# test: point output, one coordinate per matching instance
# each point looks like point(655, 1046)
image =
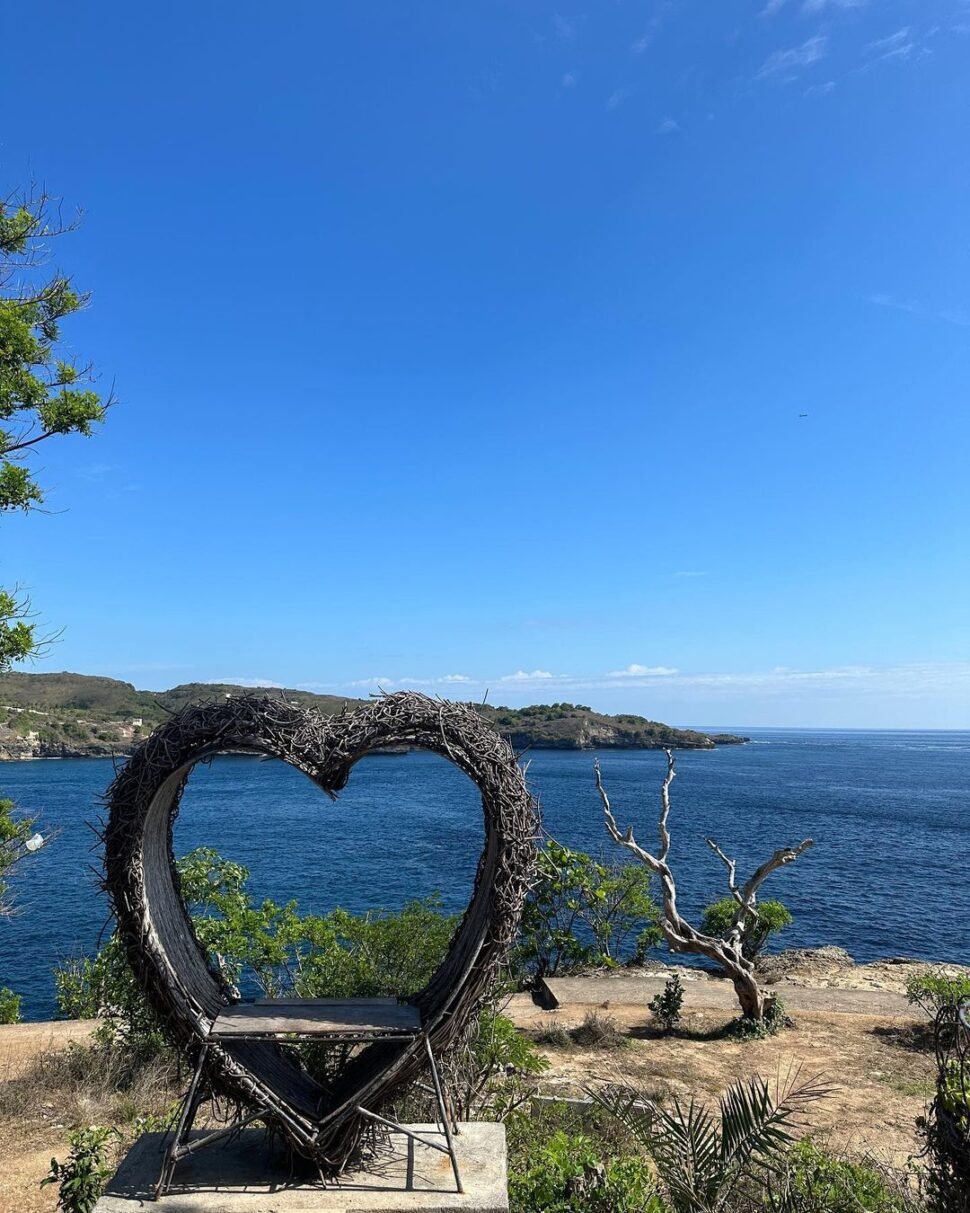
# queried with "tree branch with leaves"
point(43, 391)
point(727, 948)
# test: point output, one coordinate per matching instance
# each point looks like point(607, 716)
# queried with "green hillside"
point(77, 715)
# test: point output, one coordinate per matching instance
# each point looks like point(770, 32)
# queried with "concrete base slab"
point(245, 1175)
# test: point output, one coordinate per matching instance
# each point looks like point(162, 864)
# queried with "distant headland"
point(84, 716)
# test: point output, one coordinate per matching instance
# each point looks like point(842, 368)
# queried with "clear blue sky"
point(465, 346)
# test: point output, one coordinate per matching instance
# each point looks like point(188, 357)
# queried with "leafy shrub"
point(666, 1006)
point(82, 1177)
point(373, 954)
point(818, 1182)
point(931, 992)
point(772, 918)
point(9, 1006)
point(568, 1175)
point(502, 1069)
point(103, 987)
point(583, 914)
point(266, 945)
point(770, 1024)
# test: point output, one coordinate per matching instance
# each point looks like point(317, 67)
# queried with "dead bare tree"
point(725, 950)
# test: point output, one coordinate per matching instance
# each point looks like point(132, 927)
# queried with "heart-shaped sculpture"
point(188, 992)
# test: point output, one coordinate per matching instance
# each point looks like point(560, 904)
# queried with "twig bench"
point(322, 1021)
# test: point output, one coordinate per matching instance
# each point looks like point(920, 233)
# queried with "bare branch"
point(665, 804)
point(625, 840)
point(730, 864)
point(781, 857)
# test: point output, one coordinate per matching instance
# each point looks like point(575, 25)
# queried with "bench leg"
point(443, 1111)
point(190, 1106)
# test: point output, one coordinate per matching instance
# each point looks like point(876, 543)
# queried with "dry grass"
point(47, 1093)
point(85, 1084)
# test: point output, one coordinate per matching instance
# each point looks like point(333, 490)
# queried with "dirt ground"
point(877, 1058)
point(881, 1069)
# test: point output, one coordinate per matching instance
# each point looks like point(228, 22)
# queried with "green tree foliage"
point(769, 918)
point(501, 1071)
point(935, 992)
point(264, 944)
point(583, 913)
point(9, 1006)
point(43, 393)
point(17, 839)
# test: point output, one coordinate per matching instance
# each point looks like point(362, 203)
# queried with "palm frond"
point(757, 1127)
point(685, 1145)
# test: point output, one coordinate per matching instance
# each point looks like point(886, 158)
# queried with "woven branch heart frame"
point(187, 990)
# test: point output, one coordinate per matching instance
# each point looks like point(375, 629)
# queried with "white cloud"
point(569, 79)
point(667, 126)
point(534, 676)
point(690, 573)
point(787, 64)
point(456, 678)
point(820, 90)
point(949, 315)
point(652, 30)
point(617, 97)
point(895, 46)
point(643, 671)
point(818, 6)
point(565, 27)
point(95, 472)
point(900, 37)
point(810, 6)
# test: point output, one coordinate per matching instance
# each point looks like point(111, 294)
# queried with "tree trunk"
point(749, 994)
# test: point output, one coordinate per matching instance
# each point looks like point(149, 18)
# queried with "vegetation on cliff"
point(66, 715)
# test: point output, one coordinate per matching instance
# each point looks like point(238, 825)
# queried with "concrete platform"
point(244, 1176)
point(703, 992)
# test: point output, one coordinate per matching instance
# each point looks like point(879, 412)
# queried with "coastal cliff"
point(81, 716)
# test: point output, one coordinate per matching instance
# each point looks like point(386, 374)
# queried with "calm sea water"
point(890, 813)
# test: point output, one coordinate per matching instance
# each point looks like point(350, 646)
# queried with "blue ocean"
point(889, 811)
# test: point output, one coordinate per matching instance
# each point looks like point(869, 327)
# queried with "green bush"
point(771, 918)
point(770, 1024)
point(585, 914)
point(9, 1006)
point(817, 1182)
point(666, 1006)
point(269, 945)
point(931, 992)
point(82, 1177)
point(501, 1071)
point(568, 1175)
